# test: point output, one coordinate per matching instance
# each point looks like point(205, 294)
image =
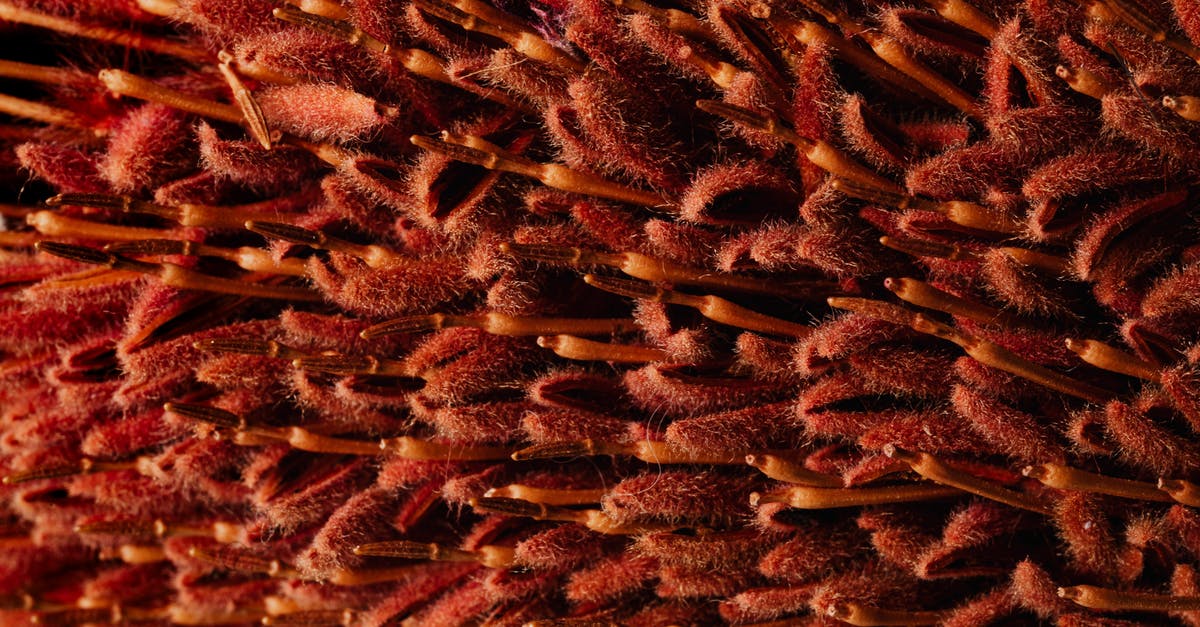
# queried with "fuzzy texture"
point(559, 310)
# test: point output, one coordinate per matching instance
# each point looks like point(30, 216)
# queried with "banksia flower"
point(560, 312)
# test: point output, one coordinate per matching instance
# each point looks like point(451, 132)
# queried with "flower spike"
point(925, 295)
point(1182, 491)
point(252, 113)
point(1107, 599)
point(85, 466)
point(46, 114)
point(712, 307)
point(593, 519)
point(1067, 478)
point(477, 16)
point(490, 556)
point(179, 277)
point(809, 497)
point(963, 213)
point(1131, 14)
point(783, 469)
point(996, 356)
point(415, 60)
point(820, 153)
point(124, 83)
point(550, 174)
point(649, 451)
point(502, 324)
point(548, 496)
point(571, 347)
point(929, 467)
point(373, 255)
point(966, 15)
point(249, 346)
point(10, 12)
point(864, 615)
point(647, 268)
point(1103, 356)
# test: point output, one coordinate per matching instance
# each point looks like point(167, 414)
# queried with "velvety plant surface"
point(589, 312)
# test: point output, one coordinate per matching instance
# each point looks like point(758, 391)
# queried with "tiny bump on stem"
point(139, 554)
point(325, 8)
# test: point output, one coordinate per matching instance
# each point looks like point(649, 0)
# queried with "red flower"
point(585, 312)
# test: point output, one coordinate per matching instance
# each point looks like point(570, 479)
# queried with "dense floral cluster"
point(600, 311)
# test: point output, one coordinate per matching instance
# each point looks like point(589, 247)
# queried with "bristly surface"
point(558, 312)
